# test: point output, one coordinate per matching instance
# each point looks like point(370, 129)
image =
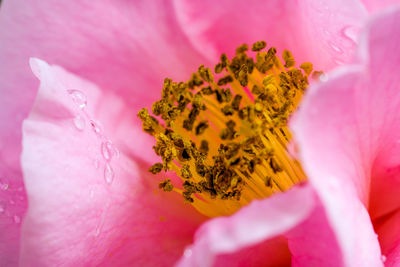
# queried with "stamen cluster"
point(225, 133)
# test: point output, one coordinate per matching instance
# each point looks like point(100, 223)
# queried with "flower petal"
point(123, 46)
point(79, 213)
point(382, 87)
point(253, 224)
point(323, 32)
point(378, 5)
point(121, 52)
point(329, 138)
point(388, 230)
point(313, 243)
point(393, 257)
point(271, 252)
point(354, 145)
point(13, 205)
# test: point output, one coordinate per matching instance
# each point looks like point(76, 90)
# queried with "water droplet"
point(336, 48)
point(3, 206)
point(116, 152)
point(17, 219)
point(108, 174)
point(107, 150)
point(350, 33)
point(78, 97)
point(338, 61)
point(187, 253)
point(96, 163)
point(97, 231)
point(100, 225)
point(383, 258)
point(326, 32)
point(323, 77)
point(79, 122)
point(96, 127)
point(4, 186)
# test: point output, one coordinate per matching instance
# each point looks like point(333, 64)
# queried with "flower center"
point(225, 133)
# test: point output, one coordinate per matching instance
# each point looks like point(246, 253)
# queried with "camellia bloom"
point(229, 145)
point(91, 203)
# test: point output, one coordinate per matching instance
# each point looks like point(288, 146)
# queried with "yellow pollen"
point(225, 134)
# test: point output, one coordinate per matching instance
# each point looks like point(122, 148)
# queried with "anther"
point(225, 133)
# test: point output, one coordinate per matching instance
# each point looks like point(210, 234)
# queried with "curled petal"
point(271, 252)
point(253, 224)
point(93, 203)
point(352, 148)
point(329, 142)
point(123, 46)
point(380, 109)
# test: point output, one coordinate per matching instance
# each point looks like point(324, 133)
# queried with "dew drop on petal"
point(108, 174)
point(96, 163)
point(323, 77)
point(383, 258)
point(97, 231)
point(79, 98)
point(336, 48)
point(79, 122)
point(4, 185)
point(3, 206)
point(100, 224)
point(17, 219)
point(107, 150)
point(350, 33)
point(116, 152)
point(187, 253)
point(96, 127)
point(338, 61)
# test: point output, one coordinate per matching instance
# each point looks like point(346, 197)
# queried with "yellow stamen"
point(225, 133)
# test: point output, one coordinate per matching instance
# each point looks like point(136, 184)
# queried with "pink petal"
point(323, 32)
point(313, 243)
point(115, 44)
point(393, 257)
point(329, 140)
point(378, 5)
point(123, 46)
point(383, 87)
point(388, 230)
point(271, 252)
point(75, 216)
point(351, 148)
point(12, 208)
point(297, 215)
point(253, 224)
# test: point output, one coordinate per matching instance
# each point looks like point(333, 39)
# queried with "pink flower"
point(93, 204)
